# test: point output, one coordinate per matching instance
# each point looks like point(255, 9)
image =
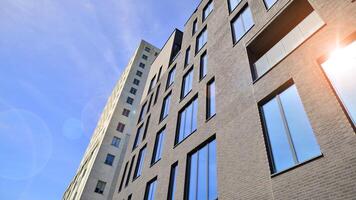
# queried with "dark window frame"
point(172, 180)
point(204, 18)
point(190, 70)
point(139, 157)
point(155, 147)
point(201, 75)
point(169, 83)
point(130, 170)
point(108, 161)
point(148, 185)
point(168, 95)
point(204, 30)
point(239, 14)
point(210, 115)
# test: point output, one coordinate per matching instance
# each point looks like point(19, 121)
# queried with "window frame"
point(107, 161)
point(115, 138)
point(204, 18)
point(154, 160)
point(164, 104)
point(148, 186)
point(203, 31)
point(172, 181)
point(140, 161)
point(100, 190)
point(170, 76)
point(182, 95)
point(231, 10)
point(239, 14)
point(201, 77)
point(187, 57)
point(194, 26)
point(210, 115)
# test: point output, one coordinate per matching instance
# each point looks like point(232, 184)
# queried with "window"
point(115, 141)
point(142, 65)
point(203, 65)
point(109, 159)
point(165, 106)
point(100, 187)
point(157, 94)
point(340, 69)
point(142, 112)
point(159, 73)
point(133, 91)
point(120, 127)
point(202, 174)
point(152, 84)
point(233, 4)
point(139, 73)
point(195, 26)
point(147, 49)
point(187, 57)
point(202, 38)
point(139, 164)
point(187, 120)
point(144, 57)
point(269, 3)
point(151, 189)
point(207, 10)
point(157, 151)
point(138, 138)
point(146, 127)
point(290, 136)
point(210, 98)
point(126, 112)
point(130, 169)
point(156, 54)
point(172, 182)
point(187, 83)
point(171, 76)
point(136, 82)
point(129, 100)
point(123, 176)
point(129, 197)
point(149, 103)
point(242, 23)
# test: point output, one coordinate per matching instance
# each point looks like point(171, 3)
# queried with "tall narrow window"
point(269, 3)
point(290, 136)
point(129, 197)
point(123, 176)
point(165, 106)
point(202, 174)
point(195, 26)
point(203, 65)
point(109, 159)
point(138, 137)
point(152, 84)
point(142, 112)
point(157, 94)
point(187, 83)
point(340, 69)
point(100, 187)
point(242, 23)
point(210, 98)
point(233, 4)
point(187, 57)
point(157, 151)
point(172, 182)
point(201, 40)
point(120, 127)
point(187, 120)
point(151, 189)
point(171, 76)
point(140, 161)
point(159, 73)
point(129, 173)
point(115, 141)
point(146, 127)
point(208, 9)
point(149, 103)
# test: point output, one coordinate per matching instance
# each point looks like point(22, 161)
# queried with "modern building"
point(256, 99)
point(99, 169)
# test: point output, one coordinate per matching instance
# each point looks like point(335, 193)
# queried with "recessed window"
point(158, 148)
point(142, 112)
point(195, 26)
point(340, 69)
point(144, 57)
point(290, 136)
point(203, 69)
point(100, 187)
point(208, 9)
point(187, 57)
point(142, 65)
point(202, 39)
point(115, 141)
point(187, 84)
point(139, 164)
point(146, 127)
point(129, 197)
point(147, 49)
point(139, 73)
point(138, 137)
point(126, 112)
point(171, 76)
point(269, 3)
point(187, 120)
point(233, 4)
point(133, 91)
point(202, 174)
point(120, 127)
point(172, 182)
point(151, 189)
point(165, 106)
point(152, 84)
point(149, 103)
point(109, 159)
point(130, 100)
point(157, 94)
point(242, 23)
point(159, 73)
point(136, 82)
point(210, 98)
point(129, 173)
point(123, 176)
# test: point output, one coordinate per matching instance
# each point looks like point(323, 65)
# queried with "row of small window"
point(201, 182)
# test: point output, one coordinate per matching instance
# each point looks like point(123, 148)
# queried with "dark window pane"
point(203, 65)
point(109, 159)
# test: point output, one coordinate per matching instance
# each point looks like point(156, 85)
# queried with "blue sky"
point(59, 60)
